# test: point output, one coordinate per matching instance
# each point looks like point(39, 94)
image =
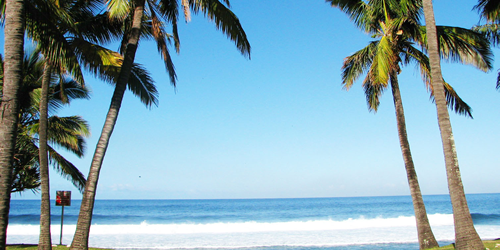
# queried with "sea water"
point(309, 223)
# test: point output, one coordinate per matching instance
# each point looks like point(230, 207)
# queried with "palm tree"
point(466, 236)
point(158, 13)
point(42, 17)
point(74, 41)
point(65, 132)
point(372, 58)
point(74, 44)
point(490, 11)
point(13, 49)
point(397, 25)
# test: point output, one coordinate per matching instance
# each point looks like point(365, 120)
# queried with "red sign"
point(63, 198)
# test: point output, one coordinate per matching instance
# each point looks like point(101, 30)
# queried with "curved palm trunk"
point(44, 241)
point(80, 240)
point(14, 43)
point(426, 238)
point(466, 236)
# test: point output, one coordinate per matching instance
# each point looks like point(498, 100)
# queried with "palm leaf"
point(463, 45)
point(67, 169)
point(453, 100)
point(99, 28)
point(225, 20)
point(96, 59)
point(52, 42)
point(490, 31)
point(160, 36)
point(489, 9)
point(356, 9)
point(373, 92)
point(118, 8)
point(357, 64)
point(383, 61)
point(187, 12)
point(169, 10)
point(142, 85)
point(66, 132)
point(70, 89)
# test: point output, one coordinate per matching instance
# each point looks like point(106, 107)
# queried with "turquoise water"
point(311, 223)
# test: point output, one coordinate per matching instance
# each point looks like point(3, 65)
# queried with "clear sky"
point(280, 125)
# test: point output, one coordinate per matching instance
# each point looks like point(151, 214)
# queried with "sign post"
point(63, 198)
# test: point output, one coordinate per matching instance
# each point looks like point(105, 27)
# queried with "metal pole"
point(62, 220)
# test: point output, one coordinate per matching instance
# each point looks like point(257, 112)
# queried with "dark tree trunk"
point(466, 236)
point(13, 50)
point(80, 240)
point(45, 241)
point(426, 238)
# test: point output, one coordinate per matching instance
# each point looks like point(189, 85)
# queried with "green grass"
point(35, 247)
point(489, 244)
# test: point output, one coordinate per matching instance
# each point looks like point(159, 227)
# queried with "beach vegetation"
point(148, 18)
point(62, 52)
point(12, 18)
point(488, 244)
point(466, 236)
point(489, 10)
point(73, 46)
point(54, 247)
point(65, 132)
point(396, 25)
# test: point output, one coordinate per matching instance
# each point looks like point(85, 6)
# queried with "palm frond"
point(2, 12)
point(357, 64)
point(464, 46)
point(52, 42)
point(66, 132)
point(96, 59)
point(1, 74)
point(489, 9)
point(70, 89)
point(160, 36)
point(490, 31)
point(142, 85)
point(373, 92)
point(100, 28)
point(118, 8)
point(383, 62)
point(25, 177)
point(187, 12)
point(67, 169)
point(169, 10)
point(454, 101)
point(225, 20)
point(356, 9)
point(412, 54)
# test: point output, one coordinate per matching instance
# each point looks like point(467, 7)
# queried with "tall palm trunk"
point(44, 241)
point(80, 240)
point(14, 43)
point(426, 238)
point(466, 236)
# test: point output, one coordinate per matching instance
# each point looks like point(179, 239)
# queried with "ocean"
point(307, 223)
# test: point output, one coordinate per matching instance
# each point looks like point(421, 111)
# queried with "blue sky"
point(280, 125)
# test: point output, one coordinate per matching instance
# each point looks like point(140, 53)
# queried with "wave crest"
point(244, 227)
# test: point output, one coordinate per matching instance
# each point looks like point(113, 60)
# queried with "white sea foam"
point(244, 227)
point(253, 234)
